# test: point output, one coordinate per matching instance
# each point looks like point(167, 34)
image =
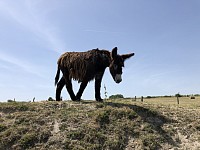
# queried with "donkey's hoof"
point(99, 99)
point(58, 100)
point(78, 99)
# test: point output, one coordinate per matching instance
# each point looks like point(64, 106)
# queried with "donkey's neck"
point(106, 57)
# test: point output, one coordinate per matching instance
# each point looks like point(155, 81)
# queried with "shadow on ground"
point(154, 118)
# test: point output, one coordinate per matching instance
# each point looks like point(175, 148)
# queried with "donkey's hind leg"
point(68, 83)
point(59, 88)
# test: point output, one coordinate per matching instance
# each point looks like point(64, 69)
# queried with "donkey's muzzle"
point(118, 78)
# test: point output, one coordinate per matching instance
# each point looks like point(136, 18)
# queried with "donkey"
point(86, 66)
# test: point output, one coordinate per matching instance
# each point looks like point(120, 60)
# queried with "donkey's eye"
point(115, 66)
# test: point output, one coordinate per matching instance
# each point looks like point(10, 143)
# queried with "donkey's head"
point(117, 62)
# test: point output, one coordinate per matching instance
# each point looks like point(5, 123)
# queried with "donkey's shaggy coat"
point(82, 65)
point(86, 66)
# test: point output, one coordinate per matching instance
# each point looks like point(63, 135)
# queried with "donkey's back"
point(80, 65)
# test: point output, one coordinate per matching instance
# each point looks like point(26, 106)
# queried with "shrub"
point(50, 99)
point(10, 101)
point(28, 140)
point(103, 118)
point(178, 95)
point(151, 96)
point(116, 96)
point(2, 127)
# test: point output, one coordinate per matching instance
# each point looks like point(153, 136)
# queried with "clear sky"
point(163, 34)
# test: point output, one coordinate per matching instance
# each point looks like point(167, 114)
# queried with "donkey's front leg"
point(81, 89)
point(98, 79)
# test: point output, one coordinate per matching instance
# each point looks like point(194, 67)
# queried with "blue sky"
point(163, 34)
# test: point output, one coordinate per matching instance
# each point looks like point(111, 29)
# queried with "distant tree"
point(167, 96)
point(178, 95)
point(10, 100)
point(151, 97)
point(116, 96)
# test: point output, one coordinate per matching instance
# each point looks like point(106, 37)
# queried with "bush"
point(10, 101)
point(103, 118)
point(178, 95)
point(50, 99)
point(151, 96)
point(116, 96)
point(2, 127)
point(28, 140)
point(167, 96)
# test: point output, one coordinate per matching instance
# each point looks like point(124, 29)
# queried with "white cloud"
point(22, 64)
point(27, 14)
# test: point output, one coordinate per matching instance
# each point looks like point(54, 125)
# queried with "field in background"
point(172, 101)
point(155, 123)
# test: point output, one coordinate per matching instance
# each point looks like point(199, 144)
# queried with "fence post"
point(135, 98)
point(177, 100)
point(142, 99)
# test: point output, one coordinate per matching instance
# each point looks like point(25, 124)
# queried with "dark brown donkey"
point(86, 66)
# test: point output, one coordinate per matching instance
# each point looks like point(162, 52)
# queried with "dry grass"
point(118, 124)
point(172, 101)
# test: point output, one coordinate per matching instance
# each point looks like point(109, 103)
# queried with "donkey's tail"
point(57, 75)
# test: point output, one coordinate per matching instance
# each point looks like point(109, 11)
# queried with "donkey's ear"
point(126, 56)
point(114, 52)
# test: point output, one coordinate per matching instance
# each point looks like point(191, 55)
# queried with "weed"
point(197, 127)
point(22, 107)
point(28, 140)
point(100, 105)
point(151, 141)
point(11, 136)
point(76, 135)
point(2, 127)
point(95, 136)
point(44, 136)
point(103, 118)
point(22, 120)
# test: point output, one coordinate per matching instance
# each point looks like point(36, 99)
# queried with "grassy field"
point(172, 101)
point(157, 123)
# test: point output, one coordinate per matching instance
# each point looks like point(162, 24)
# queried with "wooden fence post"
point(135, 98)
point(177, 100)
point(142, 99)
